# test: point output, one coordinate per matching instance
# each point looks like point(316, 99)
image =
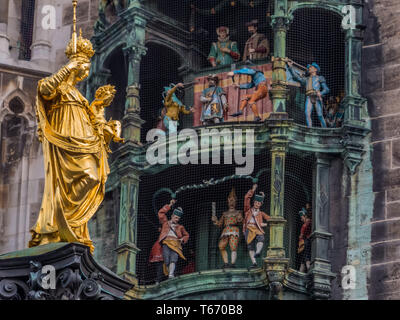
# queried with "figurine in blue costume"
point(258, 81)
point(173, 106)
point(214, 102)
point(316, 88)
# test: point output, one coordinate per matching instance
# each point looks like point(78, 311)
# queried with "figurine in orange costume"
point(169, 243)
point(253, 224)
point(230, 220)
point(259, 82)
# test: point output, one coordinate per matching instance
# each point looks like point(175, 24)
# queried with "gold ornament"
point(75, 139)
point(81, 49)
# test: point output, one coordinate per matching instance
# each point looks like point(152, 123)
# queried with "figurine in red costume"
point(254, 223)
point(168, 247)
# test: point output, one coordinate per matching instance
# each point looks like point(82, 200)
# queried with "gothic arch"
point(27, 112)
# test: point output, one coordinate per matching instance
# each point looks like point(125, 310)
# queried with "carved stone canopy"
point(77, 275)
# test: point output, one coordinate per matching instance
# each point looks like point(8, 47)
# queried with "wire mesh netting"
point(314, 36)
point(202, 250)
point(27, 22)
point(298, 206)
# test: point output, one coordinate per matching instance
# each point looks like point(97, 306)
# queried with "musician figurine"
point(257, 46)
point(173, 106)
point(224, 51)
point(168, 247)
point(316, 88)
point(304, 249)
point(254, 223)
point(230, 220)
point(258, 81)
point(214, 102)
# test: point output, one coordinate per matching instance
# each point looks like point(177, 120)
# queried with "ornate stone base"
point(28, 275)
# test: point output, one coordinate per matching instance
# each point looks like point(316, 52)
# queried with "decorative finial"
point(78, 47)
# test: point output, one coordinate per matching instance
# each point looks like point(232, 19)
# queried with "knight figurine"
point(214, 102)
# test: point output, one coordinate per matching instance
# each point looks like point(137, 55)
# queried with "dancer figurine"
point(230, 220)
point(168, 247)
point(253, 224)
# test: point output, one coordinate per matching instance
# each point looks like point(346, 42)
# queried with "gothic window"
point(12, 133)
point(27, 24)
point(16, 105)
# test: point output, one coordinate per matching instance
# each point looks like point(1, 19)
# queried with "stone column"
point(134, 51)
point(276, 262)
point(127, 168)
point(41, 46)
point(127, 229)
point(97, 79)
point(4, 39)
point(355, 126)
point(280, 24)
point(321, 274)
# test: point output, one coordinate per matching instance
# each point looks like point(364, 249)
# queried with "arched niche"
point(114, 71)
point(158, 68)
point(316, 35)
point(17, 124)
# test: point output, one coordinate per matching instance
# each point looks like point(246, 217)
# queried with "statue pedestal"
point(58, 271)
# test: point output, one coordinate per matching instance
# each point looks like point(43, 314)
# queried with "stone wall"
point(381, 86)
point(21, 160)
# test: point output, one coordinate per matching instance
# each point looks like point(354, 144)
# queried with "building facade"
point(346, 172)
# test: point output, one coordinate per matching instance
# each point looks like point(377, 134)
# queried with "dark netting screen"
point(315, 35)
point(178, 48)
point(298, 192)
point(202, 250)
point(27, 22)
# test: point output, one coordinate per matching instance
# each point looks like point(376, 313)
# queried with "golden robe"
point(75, 161)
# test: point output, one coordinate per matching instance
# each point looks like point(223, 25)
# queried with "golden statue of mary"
point(74, 150)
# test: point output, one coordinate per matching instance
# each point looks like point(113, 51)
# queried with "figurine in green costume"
point(224, 51)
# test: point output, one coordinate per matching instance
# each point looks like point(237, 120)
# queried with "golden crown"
point(84, 48)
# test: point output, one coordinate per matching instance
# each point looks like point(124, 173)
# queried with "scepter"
point(74, 36)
